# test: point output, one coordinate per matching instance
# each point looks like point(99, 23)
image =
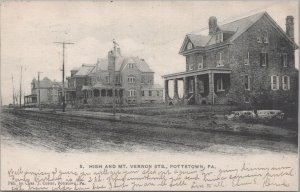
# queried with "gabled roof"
point(85, 70)
point(121, 62)
point(199, 40)
point(44, 83)
point(241, 25)
point(142, 65)
point(236, 28)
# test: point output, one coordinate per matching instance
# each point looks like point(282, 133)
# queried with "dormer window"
point(219, 37)
point(189, 46)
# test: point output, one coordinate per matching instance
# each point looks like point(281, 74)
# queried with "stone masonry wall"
point(261, 75)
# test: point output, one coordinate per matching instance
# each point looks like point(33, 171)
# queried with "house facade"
point(46, 91)
point(130, 77)
point(250, 60)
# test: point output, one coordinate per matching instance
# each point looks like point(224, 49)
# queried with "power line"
point(227, 20)
point(63, 72)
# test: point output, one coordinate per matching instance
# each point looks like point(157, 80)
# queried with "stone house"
point(247, 61)
point(132, 78)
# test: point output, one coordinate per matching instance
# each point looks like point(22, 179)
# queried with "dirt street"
point(52, 132)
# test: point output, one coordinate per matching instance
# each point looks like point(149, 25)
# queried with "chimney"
point(118, 51)
point(212, 24)
point(290, 26)
point(73, 72)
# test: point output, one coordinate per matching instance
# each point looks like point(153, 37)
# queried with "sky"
point(152, 30)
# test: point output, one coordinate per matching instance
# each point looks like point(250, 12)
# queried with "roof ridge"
point(262, 13)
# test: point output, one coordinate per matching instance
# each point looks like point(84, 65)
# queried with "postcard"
point(149, 95)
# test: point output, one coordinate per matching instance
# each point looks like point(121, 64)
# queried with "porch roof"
point(32, 95)
point(198, 72)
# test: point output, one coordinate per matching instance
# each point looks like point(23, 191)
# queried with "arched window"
point(189, 46)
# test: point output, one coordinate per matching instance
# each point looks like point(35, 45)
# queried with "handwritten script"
point(151, 177)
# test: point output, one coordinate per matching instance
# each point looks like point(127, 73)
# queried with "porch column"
point(185, 87)
point(211, 88)
point(166, 91)
point(196, 89)
point(175, 88)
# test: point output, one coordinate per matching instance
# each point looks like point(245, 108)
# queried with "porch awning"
point(32, 95)
point(102, 86)
point(198, 72)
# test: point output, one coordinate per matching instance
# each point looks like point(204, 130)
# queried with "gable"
point(186, 41)
point(265, 17)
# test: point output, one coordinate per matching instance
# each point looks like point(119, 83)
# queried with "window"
point(247, 99)
point(259, 39)
point(220, 84)
point(274, 82)
point(191, 87)
point(131, 93)
point(150, 93)
point(130, 65)
point(263, 59)
point(284, 60)
point(266, 37)
point(285, 82)
point(219, 59)
point(247, 59)
point(200, 62)
point(219, 37)
point(143, 93)
point(157, 93)
point(201, 86)
point(189, 46)
point(247, 82)
point(107, 79)
point(191, 66)
point(143, 79)
point(131, 79)
point(117, 79)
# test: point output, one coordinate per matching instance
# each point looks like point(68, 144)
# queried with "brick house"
point(247, 61)
point(133, 79)
point(48, 91)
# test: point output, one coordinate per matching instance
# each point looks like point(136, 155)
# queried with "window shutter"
point(267, 59)
point(287, 60)
point(243, 81)
point(288, 81)
point(281, 59)
point(261, 59)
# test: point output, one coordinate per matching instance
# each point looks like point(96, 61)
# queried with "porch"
point(102, 95)
point(30, 99)
point(206, 86)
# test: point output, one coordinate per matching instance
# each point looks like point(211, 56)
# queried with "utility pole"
point(113, 76)
point(63, 73)
point(21, 88)
point(12, 78)
point(39, 90)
